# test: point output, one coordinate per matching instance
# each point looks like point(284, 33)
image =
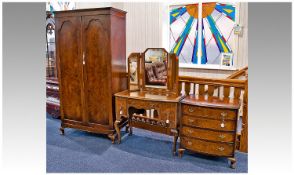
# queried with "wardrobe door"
point(68, 40)
point(97, 68)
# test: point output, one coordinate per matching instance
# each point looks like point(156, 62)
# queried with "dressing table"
point(151, 101)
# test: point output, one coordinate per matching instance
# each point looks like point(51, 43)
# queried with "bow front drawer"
point(226, 125)
point(209, 112)
point(201, 146)
point(208, 134)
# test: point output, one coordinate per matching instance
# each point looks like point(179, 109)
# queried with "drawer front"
point(165, 111)
point(120, 107)
point(208, 135)
point(143, 104)
point(228, 125)
point(209, 112)
point(219, 149)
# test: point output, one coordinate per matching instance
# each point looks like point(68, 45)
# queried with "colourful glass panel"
point(218, 20)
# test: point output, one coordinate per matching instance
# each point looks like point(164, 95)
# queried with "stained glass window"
point(58, 5)
point(214, 27)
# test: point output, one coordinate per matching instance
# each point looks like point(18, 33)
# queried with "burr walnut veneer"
point(208, 126)
point(90, 48)
point(132, 107)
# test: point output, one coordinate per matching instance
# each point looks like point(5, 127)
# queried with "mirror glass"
point(133, 67)
point(155, 68)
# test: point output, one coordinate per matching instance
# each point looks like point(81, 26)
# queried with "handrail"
point(213, 81)
point(238, 73)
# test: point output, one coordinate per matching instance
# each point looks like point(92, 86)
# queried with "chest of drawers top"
point(212, 102)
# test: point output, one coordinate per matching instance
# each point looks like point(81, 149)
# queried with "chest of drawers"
point(208, 126)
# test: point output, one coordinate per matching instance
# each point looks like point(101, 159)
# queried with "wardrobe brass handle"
point(84, 62)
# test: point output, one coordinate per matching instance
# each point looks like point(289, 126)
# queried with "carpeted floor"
point(144, 151)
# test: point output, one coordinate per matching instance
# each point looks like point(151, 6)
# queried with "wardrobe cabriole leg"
point(111, 137)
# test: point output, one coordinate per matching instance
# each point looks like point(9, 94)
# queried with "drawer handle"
point(191, 110)
point(224, 114)
point(221, 136)
point(121, 111)
point(221, 148)
point(222, 125)
point(191, 120)
point(190, 131)
point(189, 143)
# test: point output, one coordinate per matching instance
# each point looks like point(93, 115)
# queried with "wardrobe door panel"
point(70, 63)
point(97, 68)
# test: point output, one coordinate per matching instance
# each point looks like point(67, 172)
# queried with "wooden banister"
point(238, 73)
point(213, 81)
point(244, 132)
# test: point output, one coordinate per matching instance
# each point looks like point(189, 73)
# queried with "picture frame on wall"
point(226, 59)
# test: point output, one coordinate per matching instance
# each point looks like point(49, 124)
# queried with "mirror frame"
point(138, 59)
point(143, 70)
point(172, 74)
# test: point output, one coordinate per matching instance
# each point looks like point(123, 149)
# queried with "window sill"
point(209, 66)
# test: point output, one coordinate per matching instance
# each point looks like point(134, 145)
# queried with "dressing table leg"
point(117, 129)
point(61, 129)
point(176, 135)
point(127, 128)
point(130, 128)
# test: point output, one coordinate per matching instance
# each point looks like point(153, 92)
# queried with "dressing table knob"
point(120, 111)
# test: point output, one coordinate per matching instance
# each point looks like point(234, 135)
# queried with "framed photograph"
point(226, 59)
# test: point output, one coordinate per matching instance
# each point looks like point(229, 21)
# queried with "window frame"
point(208, 66)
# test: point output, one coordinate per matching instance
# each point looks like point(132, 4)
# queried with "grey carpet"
point(144, 151)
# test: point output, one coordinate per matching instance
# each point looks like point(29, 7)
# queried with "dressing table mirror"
point(134, 71)
point(159, 72)
point(155, 68)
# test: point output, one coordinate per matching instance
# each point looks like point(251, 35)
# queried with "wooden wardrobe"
point(91, 58)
